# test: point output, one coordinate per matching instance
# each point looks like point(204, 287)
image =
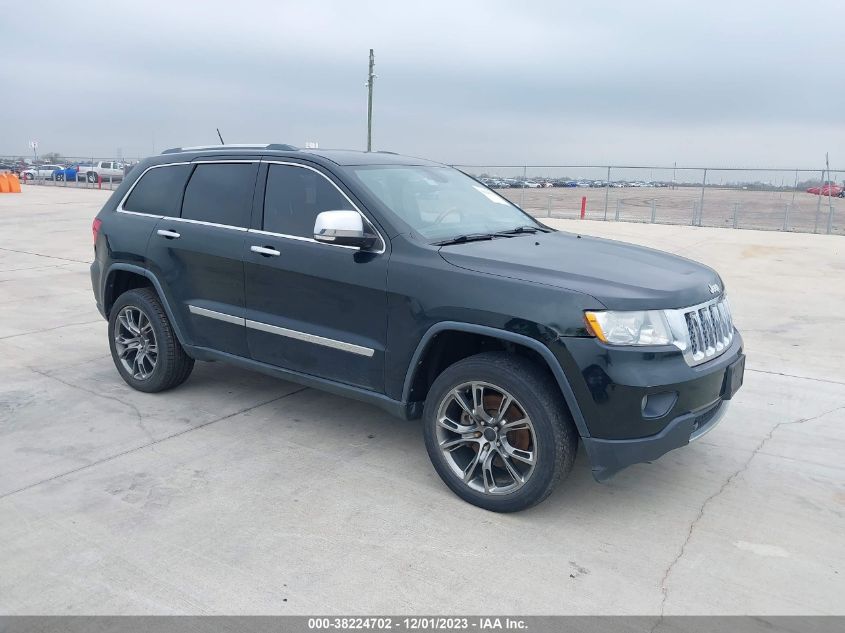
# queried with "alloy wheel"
point(486, 437)
point(135, 342)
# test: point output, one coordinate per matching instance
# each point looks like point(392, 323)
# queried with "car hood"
point(620, 276)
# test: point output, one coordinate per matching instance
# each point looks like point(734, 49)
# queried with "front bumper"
point(616, 385)
point(608, 457)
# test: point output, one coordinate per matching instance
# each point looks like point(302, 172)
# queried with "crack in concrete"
point(663, 582)
point(778, 373)
point(66, 259)
point(148, 444)
point(135, 409)
point(49, 329)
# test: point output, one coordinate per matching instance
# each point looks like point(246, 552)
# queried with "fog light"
point(657, 405)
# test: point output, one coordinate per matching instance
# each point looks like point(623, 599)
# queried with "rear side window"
point(220, 193)
point(159, 191)
point(293, 198)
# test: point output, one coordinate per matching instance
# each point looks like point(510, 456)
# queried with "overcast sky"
point(718, 83)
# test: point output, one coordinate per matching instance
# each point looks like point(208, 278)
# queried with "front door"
point(313, 308)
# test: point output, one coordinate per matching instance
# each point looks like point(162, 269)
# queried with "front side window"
point(293, 198)
point(441, 202)
point(159, 191)
point(220, 193)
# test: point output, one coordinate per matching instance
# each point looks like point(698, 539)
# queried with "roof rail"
point(282, 147)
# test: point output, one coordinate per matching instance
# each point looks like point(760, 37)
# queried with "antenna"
point(220, 136)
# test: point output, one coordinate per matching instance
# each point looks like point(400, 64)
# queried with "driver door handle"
point(265, 250)
point(171, 235)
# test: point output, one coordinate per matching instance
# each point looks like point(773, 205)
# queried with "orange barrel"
point(4, 184)
point(14, 183)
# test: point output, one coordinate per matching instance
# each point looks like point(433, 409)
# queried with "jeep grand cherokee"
point(412, 286)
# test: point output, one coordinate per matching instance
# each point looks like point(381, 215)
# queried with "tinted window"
point(159, 191)
point(220, 193)
point(294, 197)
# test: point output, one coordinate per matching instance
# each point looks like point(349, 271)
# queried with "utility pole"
point(370, 78)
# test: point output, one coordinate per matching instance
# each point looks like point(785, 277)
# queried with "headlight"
point(641, 327)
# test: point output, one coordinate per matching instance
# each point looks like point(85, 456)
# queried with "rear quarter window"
point(159, 191)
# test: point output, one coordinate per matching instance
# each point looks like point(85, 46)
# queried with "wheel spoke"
point(478, 400)
point(527, 457)
point(504, 405)
point(452, 445)
point(462, 403)
point(455, 427)
point(469, 471)
point(513, 472)
point(516, 425)
point(487, 472)
point(127, 349)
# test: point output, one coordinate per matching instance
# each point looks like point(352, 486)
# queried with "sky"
point(723, 84)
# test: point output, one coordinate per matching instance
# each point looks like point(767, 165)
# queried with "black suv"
point(410, 285)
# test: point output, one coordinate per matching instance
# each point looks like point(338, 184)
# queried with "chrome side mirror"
point(344, 228)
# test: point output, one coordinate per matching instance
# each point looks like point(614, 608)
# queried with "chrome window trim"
point(305, 239)
point(352, 348)
point(311, 338)
point(341, 192)
point(214, 224)
point(213, 314)
point(121, 209)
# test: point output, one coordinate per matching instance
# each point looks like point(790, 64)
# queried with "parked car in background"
point(826, 190)
point(40, 172)
point(106, 169)
point(67, 173)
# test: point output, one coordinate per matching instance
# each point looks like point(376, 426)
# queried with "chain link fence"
point(763, 199)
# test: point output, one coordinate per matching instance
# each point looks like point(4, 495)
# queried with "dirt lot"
point(764, 210)
point(237, 493)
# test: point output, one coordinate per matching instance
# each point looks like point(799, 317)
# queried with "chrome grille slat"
point(709, 330)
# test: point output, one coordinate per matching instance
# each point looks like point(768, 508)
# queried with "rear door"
point(198, 255)
point(314, 308)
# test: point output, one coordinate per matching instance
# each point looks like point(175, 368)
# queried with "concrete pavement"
point(237, 493)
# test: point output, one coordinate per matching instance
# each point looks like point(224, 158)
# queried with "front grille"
point(710, 330)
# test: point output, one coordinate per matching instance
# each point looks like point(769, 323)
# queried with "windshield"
point(441, 202)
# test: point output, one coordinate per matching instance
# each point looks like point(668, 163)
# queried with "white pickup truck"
point(109, 171)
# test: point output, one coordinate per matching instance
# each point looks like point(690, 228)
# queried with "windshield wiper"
point(469, 237)
point(522, 229)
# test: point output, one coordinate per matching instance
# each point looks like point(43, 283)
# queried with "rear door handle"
point(171, 235)
point(265, 250)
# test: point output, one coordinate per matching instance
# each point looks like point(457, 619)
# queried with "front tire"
point(92, 177)
point(498, 431)
point(144, 347)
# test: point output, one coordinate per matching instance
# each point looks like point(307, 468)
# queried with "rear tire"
point(92, 177)
point(542, 431)
point(144, 347)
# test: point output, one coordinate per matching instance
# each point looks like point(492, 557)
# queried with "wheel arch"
point(422, 357)
point(122, 277)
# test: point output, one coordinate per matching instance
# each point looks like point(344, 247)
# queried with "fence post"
point(819, 204)
point(701, 204)
point(617, 210)
point(549, 211)
point(736, 213)
point(694, 212)
point(786, 216)
point(653, 210)
point(522, 188)
point(606, 192)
